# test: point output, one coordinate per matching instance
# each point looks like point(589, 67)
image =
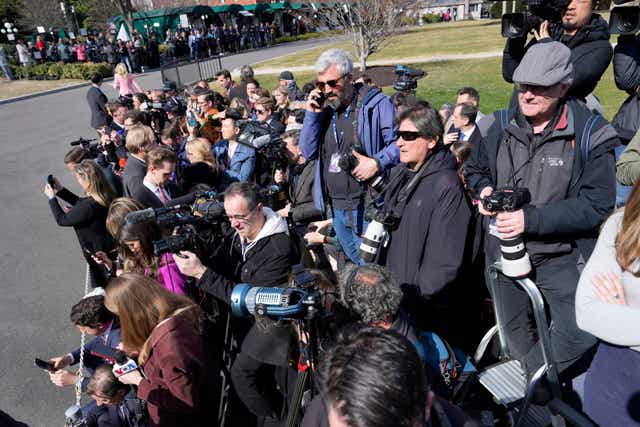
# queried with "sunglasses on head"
point(331, 83)
point(408, 135)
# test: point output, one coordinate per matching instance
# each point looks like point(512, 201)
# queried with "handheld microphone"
point(123, 364)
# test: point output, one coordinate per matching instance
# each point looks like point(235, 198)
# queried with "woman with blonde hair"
point(88, 214)
point(124, 82)
point(202, 168)
point(608, 306)
point(163, 330)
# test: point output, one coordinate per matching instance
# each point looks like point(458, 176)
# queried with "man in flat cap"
point(562, 153)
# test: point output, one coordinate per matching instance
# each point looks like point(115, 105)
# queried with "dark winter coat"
point(591, 194)
point(427, 249)
point(591, 53)
point(626, 71)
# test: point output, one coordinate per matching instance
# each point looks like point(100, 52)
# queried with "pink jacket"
point(169, 276)
point(126, 86)
point(81, 52)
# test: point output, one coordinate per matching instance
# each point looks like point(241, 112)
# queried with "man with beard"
point(345, 119)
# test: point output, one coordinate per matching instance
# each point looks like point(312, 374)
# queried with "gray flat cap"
point(544, 64)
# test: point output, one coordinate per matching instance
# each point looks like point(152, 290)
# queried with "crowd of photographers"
point(241, 241)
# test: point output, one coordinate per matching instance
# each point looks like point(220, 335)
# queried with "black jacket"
point(87, 217)
point(97, 101)
point(428, 246)
point(239, 91)
point(197, 173)
point(626, 71)
point(134, 172)
point(267, 264)
point(591, 195)
point(591, 53)
point(303, 210)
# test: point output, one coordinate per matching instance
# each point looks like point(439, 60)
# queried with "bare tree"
point(370, 23)
point(45, 13)
point(126, 9)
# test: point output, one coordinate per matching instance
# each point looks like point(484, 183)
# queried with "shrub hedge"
point(58, 70)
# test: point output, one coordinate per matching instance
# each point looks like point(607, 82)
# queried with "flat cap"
point(545, 64)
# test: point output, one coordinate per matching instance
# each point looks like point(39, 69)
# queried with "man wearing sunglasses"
point(563, 154)
point(264, 113)
point(341, 117)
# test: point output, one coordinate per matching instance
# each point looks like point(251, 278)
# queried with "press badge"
point(334, 163)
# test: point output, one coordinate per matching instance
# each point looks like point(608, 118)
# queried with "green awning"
point(280, 5)
point(230, 8)
point(297, 6)
point(261, 7)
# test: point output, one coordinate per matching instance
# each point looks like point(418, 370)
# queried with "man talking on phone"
point(343, 119)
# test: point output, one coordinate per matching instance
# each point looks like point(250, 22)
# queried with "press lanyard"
point(335, 125)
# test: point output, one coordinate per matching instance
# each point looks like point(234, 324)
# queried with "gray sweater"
point(616, 324)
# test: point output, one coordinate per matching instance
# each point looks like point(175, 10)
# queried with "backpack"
point(449, 370)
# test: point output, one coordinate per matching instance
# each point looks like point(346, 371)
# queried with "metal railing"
point(185, 73)
point(560, 411)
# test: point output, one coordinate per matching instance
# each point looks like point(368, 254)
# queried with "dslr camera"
point(348, 162)
point(514, 257)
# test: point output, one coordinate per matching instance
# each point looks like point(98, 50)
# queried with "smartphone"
point(47, 366)
point(191, 119)
point(50, 181)
point(89, 249)
point(319, 99)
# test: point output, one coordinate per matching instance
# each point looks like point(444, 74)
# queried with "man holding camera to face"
point(585, 33)
point(350, 130)
point(558, 156)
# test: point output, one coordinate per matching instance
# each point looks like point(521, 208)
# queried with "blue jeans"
point(622, 191)
point(349, 239)
point(7, 71)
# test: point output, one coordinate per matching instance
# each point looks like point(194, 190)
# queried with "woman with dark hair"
point(608, 306)
point(136, 250)
point(163, 330)
point(88, 214)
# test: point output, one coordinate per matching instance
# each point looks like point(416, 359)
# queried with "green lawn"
point(444, 79)
point(430, 40)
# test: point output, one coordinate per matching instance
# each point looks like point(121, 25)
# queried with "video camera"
point(199, 220)
point(267, 143)
point(302, 300)
point(407, 79)
point(514, 257)
point(91, 148)
point(625, 19)
point(516, 25)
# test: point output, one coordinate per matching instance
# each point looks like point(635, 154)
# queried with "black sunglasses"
point(331, 83)
point(408, 135)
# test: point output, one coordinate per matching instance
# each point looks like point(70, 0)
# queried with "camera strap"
point(399, 202)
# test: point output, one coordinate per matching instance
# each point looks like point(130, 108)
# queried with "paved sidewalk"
point(393, 61)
